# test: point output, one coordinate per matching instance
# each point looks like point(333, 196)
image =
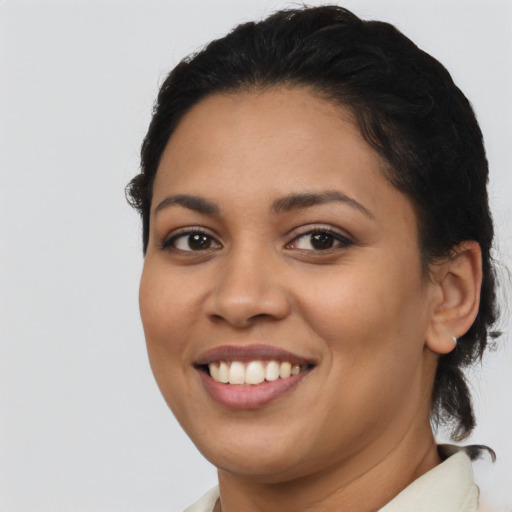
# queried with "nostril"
point(260, 316)
point(216, 318)
point(242, 321)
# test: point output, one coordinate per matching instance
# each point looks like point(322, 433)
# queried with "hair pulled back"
point(407, 108)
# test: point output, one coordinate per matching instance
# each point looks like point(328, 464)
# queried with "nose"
point(246, 291)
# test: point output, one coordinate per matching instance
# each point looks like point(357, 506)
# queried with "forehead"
point(255, 130)
point(258, 145)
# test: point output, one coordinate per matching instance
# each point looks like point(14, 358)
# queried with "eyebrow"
point(282, 205)
point(195, 203)
point(299, 201)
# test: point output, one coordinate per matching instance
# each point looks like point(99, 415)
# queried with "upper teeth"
point(253, 372)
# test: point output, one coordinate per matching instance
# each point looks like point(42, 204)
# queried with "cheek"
point(168, 313)
point(374, 347)
point(167, 318)
point(368, 317)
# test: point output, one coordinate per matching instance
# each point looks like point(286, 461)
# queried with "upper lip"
point(245, 353)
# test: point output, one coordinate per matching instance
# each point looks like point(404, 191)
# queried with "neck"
point(365, 483)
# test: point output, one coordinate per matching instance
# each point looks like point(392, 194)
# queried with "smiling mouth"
point(252, 365)
point(251, 376)
point(252, 373)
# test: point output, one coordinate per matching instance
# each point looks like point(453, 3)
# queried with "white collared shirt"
point(449, 487)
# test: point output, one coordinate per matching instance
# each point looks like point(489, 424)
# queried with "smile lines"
point(253, 372)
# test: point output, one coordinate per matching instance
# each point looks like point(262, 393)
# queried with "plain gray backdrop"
point(82, 424)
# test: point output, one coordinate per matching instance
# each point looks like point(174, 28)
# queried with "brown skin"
point(356, 430)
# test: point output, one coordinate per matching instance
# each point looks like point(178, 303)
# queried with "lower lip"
point(249, 396)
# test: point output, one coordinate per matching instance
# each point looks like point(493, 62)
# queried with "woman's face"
point(281, 256)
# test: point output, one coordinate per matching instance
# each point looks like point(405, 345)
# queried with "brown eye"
point(199, 242)
point(320, 240)
point(191, 242)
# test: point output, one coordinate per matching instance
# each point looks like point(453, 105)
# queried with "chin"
point(250, 452)
point(266, 457)
point(271, 469)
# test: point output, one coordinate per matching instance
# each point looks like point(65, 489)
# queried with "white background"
point(82, 425)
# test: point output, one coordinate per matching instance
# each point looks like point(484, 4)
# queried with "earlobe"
point(439, 339)
point(457, 281)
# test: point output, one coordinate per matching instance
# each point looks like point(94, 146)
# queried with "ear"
point(456, 282)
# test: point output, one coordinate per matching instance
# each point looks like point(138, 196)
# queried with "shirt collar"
point(449, 487)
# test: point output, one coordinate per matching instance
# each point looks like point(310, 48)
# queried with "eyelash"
point(338, 240)
point(168, 242)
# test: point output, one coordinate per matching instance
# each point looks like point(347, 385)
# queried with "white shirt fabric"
point(449, 487)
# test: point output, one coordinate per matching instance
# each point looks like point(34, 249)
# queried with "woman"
point(317, 265)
